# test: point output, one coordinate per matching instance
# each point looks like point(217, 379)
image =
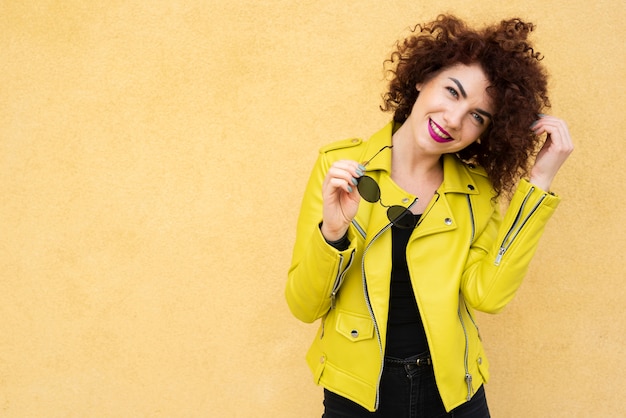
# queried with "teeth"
point(438, 131)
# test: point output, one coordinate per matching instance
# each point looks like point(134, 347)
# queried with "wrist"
point(333, 235)
point(542, 183)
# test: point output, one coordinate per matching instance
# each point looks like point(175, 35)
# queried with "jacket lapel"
point(439, 216)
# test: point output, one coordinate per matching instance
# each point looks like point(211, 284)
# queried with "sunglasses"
point(369, 190)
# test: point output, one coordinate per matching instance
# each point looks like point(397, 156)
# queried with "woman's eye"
point(478, 118)
point(453, 92)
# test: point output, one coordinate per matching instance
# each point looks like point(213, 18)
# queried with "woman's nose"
point(453, 117)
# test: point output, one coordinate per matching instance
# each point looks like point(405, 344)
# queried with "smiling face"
point(452, 110)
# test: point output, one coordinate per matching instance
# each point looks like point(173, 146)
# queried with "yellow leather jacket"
point(462, 256)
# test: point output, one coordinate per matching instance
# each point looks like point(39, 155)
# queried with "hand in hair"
point(555, 150)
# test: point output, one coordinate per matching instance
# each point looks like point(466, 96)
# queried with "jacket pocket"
point(355, 327)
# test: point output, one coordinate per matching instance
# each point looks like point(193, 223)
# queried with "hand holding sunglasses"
point(369, 190)
point(341, 203)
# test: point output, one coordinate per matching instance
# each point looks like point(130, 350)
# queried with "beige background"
point(152, 160)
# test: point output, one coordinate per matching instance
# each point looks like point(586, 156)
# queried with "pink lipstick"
point(438, 133)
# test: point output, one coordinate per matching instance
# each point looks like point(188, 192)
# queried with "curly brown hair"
point(518, 87)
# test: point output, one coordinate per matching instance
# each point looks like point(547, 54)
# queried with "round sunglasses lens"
point(368, 189)
point(401, 217)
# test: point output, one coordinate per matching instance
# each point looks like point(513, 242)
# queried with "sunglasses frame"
point(399, 216)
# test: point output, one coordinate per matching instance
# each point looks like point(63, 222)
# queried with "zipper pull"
point(499, 257)
point(470, 389)
point(333, 297)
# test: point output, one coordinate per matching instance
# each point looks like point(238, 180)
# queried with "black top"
point(405, 331)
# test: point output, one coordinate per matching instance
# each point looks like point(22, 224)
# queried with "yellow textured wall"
point(152, 159)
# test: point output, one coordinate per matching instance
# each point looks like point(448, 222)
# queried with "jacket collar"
point(457, 177)
point(376, 143)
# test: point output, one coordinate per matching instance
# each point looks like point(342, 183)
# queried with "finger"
point(354, 168)
point(337, 180)
point(560, 137)
point(335, 183)
point(555, 150)
point(348, 171)
point(550, 125)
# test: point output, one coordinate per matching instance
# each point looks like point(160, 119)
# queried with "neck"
point(408, 159)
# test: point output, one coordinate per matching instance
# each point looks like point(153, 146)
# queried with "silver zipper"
point(517, 226)
point(359, 229)
point(471, 317)
point(468, 376)
point(341, 274)
point(471, 209)
point(371, 312)
point(337, 284)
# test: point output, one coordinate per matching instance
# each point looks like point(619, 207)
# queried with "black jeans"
point(406, 391)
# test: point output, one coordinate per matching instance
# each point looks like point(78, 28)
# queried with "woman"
point(395, 278)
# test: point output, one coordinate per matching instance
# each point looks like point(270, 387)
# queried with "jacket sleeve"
point(500, 256)
point(317, 268)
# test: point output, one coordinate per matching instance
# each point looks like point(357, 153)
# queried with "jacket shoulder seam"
point(346, 143)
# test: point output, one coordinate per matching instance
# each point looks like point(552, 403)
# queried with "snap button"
point(322, 359)
point(448, 221)
point(355, 140)
point(405, 200)
point(354, 333)
point(480, 360)
point(470, 186)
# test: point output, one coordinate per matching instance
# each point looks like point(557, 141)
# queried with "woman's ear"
point(418, 86)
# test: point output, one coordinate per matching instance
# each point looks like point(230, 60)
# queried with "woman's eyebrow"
point(464, 94)
point(460, 86)
point(485, 113)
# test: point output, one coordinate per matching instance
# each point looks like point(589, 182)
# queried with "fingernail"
point(349, 189)
point(360, 172)
point(362, 167)
point(541, 115)
point(354, 181)
point(534, 124)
